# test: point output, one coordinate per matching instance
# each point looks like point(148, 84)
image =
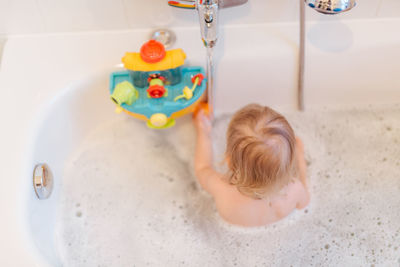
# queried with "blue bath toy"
point(156, 87)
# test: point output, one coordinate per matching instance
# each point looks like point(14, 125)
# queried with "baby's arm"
point(205, 173)
point(301, 163)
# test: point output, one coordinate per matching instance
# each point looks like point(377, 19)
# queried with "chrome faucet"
point(331, 7)
point(208, 17)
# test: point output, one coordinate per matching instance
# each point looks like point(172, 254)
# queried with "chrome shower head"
point(331, 7)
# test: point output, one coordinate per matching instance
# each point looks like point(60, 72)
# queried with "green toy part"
point(156, 82)
point(170, 123)
point(124, 93)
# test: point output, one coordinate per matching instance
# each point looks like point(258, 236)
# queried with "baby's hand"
point(202, 122)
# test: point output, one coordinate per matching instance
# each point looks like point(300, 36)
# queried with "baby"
point(267, 171)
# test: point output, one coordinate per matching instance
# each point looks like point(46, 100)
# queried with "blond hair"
point(260, 151)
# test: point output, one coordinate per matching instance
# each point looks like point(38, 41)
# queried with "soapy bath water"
point(129, 198)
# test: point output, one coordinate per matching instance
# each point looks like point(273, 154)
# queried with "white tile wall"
point(40, 16)
point(81, 15)
point(389, 8)
point(20, 16)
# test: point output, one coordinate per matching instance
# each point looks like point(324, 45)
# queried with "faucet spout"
point(208, 18)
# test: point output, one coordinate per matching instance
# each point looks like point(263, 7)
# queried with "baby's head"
point(260, 151)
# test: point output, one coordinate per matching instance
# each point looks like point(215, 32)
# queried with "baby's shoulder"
point(219, 185)
point(299, 194)
point(290, 194)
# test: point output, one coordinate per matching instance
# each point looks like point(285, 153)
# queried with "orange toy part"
point(152, 51)
point(202, 106)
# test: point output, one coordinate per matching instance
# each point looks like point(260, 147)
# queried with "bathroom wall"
point(43, 16)
point(2, 42)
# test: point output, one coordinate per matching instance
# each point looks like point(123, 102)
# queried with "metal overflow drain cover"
point(42, 181)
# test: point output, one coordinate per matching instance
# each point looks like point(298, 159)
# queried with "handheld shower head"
point(331, 7)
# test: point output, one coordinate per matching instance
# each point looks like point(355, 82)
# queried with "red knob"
point(200, 76)
point(152, 51)
point(156, 91)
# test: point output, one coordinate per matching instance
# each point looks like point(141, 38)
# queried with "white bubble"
point(139, 202)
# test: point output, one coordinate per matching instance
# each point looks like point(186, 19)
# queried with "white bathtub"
point(49, 84)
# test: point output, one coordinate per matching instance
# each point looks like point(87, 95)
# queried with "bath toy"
point(150, 88)
point(123, 93)
point(156, 88)
point(187, 92)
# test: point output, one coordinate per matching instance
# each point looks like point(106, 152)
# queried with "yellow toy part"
point(187, 92)
point(158, 119)
point(118, 109)
point(173, 59)
point(170, 123)
point(190, 109)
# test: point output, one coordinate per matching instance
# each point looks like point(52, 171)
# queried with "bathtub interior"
point(66, 121)
point(127, 195)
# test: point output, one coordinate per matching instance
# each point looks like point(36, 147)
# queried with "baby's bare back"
point(239, 209)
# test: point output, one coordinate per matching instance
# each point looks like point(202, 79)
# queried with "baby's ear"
point(224, 162)
point(227, 160)
point(299, 144)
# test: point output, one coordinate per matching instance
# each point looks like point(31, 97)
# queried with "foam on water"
point(129, 198)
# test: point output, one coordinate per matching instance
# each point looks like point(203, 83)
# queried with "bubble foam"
point(129, 198)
